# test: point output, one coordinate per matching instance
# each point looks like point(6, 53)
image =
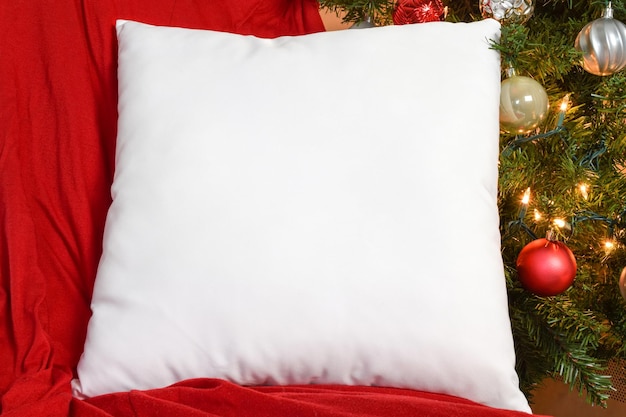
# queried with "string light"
point(563, 107)
point(519, 140)
point(565, 103)
point(584, 190)
point(525, 201)
point(526, 197)
point(537, 214)
point(560, 223)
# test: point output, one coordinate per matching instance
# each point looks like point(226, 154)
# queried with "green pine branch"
point(356, 11)
point(554, 336)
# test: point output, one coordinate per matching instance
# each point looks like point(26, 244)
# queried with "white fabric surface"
point(312, 209)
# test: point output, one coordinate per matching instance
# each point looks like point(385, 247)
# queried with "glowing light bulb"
point(563, 107)
point(565, 103)
point(609, 245)
point(537, 214)
point(559, 223)
point(584, 190)
point(526, 197)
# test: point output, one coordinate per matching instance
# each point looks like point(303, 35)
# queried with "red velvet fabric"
point(58, 97)
point(216, 398)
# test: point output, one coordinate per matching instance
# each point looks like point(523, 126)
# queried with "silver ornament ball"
point(603, 44)
point(507, 11)
point(366, 23)
point(523, 104)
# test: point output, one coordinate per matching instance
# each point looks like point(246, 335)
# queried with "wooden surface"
point(332, 21)
point(555, 399)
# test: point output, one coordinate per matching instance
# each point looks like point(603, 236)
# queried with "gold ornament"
point(523, 104)
point(622, 283)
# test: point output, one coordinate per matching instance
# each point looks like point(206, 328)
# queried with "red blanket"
point(58, 97)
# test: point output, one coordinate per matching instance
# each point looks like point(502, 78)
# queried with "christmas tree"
point(562, 174)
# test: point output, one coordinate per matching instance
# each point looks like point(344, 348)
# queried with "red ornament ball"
point(546, 267)
point(418, 11)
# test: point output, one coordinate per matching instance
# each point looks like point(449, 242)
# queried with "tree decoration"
point(523, 104)
point(507, 11)
point(367, 22)
point(622, 283)
point(546, 267)
point(418, 11)
point(603, 44)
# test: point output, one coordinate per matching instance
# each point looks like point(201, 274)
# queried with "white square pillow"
point(312, 209)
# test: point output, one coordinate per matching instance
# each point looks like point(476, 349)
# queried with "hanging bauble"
point(546, 267)
point(603, 44)
point(418, 11)
point(523, 104)
point(622, 283)
point(507, 11)
point(367, 22)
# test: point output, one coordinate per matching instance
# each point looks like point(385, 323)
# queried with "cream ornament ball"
point(523, 104)
point(603, 44)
